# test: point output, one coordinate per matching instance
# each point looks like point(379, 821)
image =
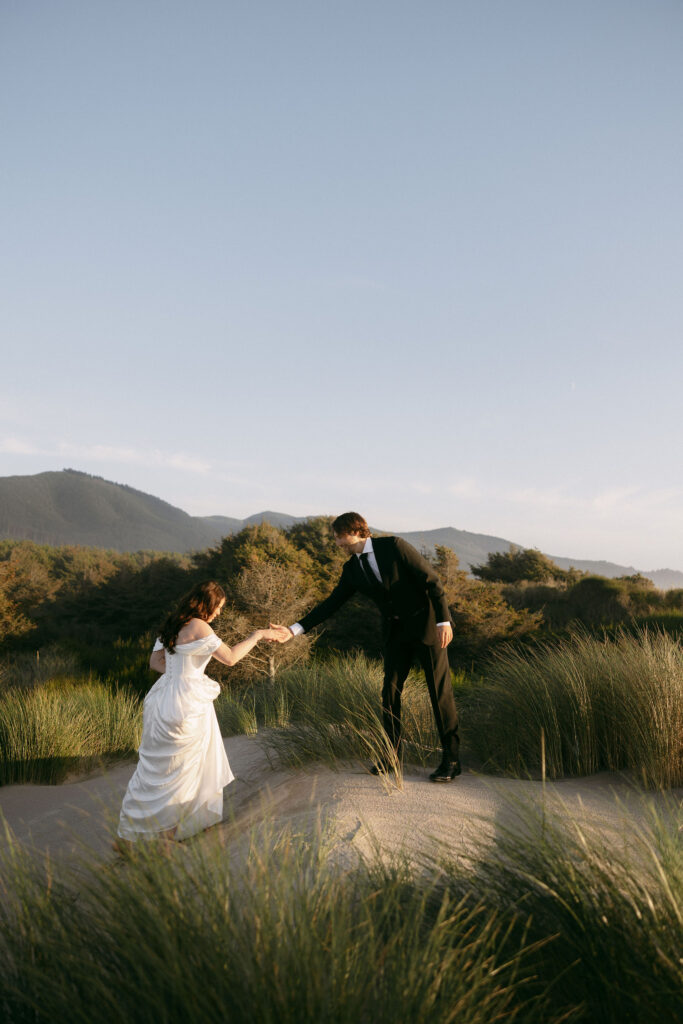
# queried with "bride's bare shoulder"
point(194, 629)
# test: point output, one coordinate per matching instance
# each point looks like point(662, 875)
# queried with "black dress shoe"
point(446, 772)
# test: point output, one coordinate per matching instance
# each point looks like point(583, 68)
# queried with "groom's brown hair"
point(350, 522)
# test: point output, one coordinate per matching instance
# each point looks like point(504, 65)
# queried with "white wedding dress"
point(183, 767)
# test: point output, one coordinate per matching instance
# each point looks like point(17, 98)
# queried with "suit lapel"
point(382, 553)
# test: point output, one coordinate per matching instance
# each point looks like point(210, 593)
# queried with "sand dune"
point(365, 812)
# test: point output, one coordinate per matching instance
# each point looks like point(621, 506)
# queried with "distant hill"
point(70, 507)
point(280, 519)
point(471, 548)
point(474, 548)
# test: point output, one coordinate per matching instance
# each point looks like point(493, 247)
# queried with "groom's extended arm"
point(345, 589)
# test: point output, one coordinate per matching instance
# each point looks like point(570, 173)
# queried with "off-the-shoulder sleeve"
point(213, 642)
point(158, 646)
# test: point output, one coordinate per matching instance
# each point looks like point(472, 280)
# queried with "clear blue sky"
point(418, 259)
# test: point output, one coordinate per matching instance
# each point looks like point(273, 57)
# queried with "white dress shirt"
point(368, 550)
point(372, 558)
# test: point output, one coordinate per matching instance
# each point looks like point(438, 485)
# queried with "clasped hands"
point(277, 634)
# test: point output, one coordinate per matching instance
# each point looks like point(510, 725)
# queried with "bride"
point(177, 788)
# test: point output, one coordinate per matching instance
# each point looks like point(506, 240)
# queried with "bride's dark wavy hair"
point(200, 603)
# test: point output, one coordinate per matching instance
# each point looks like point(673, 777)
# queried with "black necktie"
point(369, 574)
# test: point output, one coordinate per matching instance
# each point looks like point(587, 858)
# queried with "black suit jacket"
point(410, 593)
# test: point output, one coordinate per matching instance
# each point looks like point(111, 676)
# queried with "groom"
point(416, 622)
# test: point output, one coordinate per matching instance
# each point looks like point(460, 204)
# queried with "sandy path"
point(80, 816)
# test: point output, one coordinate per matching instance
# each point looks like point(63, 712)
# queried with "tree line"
point(103, 604)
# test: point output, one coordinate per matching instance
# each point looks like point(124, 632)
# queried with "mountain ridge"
point(72, 507)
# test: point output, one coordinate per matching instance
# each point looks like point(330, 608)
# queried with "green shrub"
point(520, 564)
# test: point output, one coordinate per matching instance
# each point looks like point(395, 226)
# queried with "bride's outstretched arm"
point(231, 655)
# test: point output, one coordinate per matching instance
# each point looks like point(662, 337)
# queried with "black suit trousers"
point(400, 652)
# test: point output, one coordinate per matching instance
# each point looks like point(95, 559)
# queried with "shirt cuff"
point(297, 629)
point(443, 623)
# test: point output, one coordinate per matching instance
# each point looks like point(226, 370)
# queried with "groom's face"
point(349, 541)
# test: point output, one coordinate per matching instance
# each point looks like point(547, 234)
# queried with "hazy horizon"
point(389, 526)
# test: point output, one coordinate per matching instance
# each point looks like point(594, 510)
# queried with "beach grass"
point(330, 711)
point(50, 731)
point(548, 926)
point(26, 669)
point(613, 907)
point(569, 707)
point(282, 936)
point(583, 704)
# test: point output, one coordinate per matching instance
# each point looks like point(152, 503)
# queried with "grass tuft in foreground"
point(550, 926)
point(282, 936)
point(613, 907)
